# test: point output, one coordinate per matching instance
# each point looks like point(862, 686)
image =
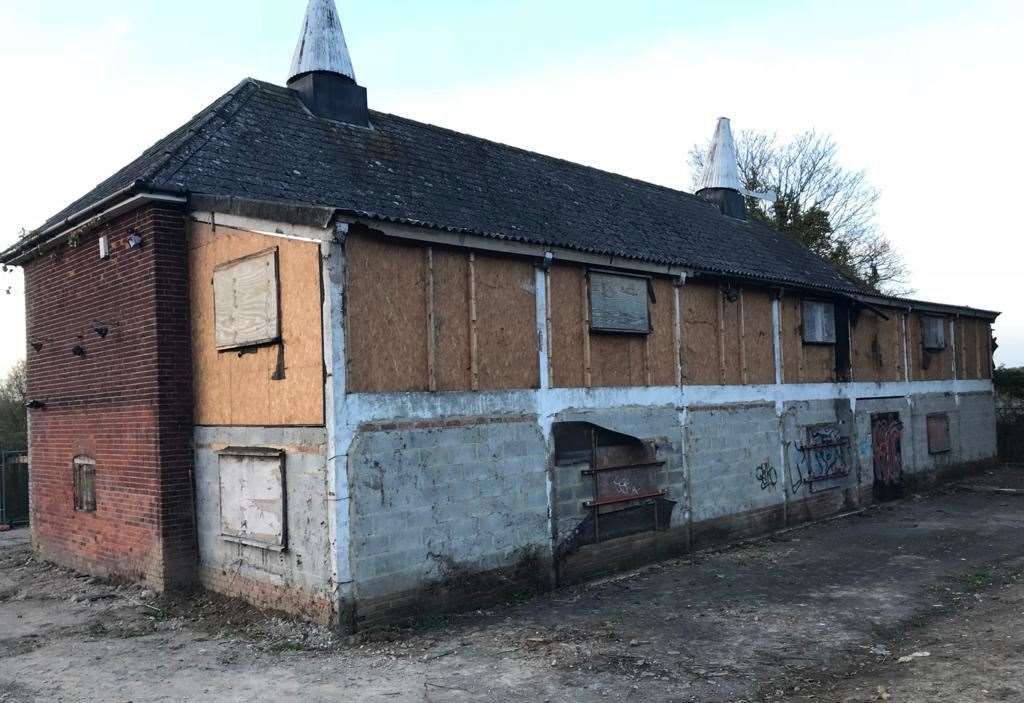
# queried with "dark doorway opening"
point(887, 451)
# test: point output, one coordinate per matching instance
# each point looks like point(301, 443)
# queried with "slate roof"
point(259, 142)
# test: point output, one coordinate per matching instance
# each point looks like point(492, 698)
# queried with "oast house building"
point(355, 367)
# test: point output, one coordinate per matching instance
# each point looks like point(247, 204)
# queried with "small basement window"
point(939, 441)
point(252, 497)
point(934, 332)
point(819, 322)
point(620, 303)
point(246, 302)
point(84, 470)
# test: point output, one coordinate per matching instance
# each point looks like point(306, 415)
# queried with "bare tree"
point(825, 206)
point(13, 415)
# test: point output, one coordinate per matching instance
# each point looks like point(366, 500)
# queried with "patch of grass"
point(977, 580)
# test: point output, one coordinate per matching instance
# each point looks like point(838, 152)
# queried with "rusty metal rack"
point(609, 493)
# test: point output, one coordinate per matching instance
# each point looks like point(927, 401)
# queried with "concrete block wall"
point(977, 427)
point(866, 409)
point(728, 448)
point(443, 512)
point(923, 406)
point(298, 579)
point(577, 556)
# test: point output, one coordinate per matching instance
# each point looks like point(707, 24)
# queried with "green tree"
point(824, 206)
point(13, 415)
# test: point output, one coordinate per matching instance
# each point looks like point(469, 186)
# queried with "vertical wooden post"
point(431, 324)
point(744, 371)
point(547, 323)
point(584, 292)
point(721, 336)
point(474, 344)
point(777, 347)
point(800, 343)
point(678, 330)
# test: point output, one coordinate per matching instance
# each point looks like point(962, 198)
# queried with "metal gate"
point(14, 477)
point(887, 449)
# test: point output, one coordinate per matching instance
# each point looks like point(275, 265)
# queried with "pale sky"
point(923, 95)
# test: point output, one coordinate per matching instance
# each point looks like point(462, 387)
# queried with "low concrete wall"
point(448, 510)
point(296, 580)
point(447, 513)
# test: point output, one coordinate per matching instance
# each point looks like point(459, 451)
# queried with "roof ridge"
point(557, 159)
point(522, 150)
point(194, 127)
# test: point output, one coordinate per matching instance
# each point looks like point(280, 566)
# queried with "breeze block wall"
point(446, 514)
point(109, 356)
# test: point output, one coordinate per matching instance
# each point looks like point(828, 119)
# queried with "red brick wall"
point(127, 403)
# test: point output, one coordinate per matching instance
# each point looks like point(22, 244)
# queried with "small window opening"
point(819, 322)
point(620, 303)
point(85, 484)
point(934, 333)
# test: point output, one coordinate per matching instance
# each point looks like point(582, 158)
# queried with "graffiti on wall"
point(767, 476)
point(887, 455)
point(824, 457)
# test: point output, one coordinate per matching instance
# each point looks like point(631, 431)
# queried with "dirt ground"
point(921, 600)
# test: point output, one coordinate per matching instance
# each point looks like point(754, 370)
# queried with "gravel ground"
point(920, 600)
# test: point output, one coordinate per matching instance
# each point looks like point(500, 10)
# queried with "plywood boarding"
point(939, 363)
point(758, 342)
point(701, 351)
point(238, 390)
point(730, 364)
point(507, 323)
point(662, 352)
point(616, 360)
point(565, 301)
point(387, 315)
point(974, 340)
point(804, 363)
point(984, 329)
point(451, 319)
point(878, 347)
point(792, 339)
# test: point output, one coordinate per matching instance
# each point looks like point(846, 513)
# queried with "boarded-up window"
point(85, 484)
point(938, 434)
point(252, 497)
point(245, 299)
point(619, 303)
point(934, 333)
point(819, 321)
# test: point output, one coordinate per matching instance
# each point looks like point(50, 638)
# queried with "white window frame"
point(820, 330)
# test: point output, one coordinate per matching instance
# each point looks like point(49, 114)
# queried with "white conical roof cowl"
point(721, 170)
point(322, 44)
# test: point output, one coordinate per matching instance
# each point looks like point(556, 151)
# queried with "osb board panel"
point(506, 306)
point(758, 342)
point(878, 347)
point(984, 330)
point(387, 336)
point(803, 363)
point(731, 337)
point(618, 360)
point(792, 340)
point(701, 358)
point(939, 364)
point(565, 300)
point(974, 339)
point(451, 320)
point(664, 356)
point(819, 363)
point(237, 390)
